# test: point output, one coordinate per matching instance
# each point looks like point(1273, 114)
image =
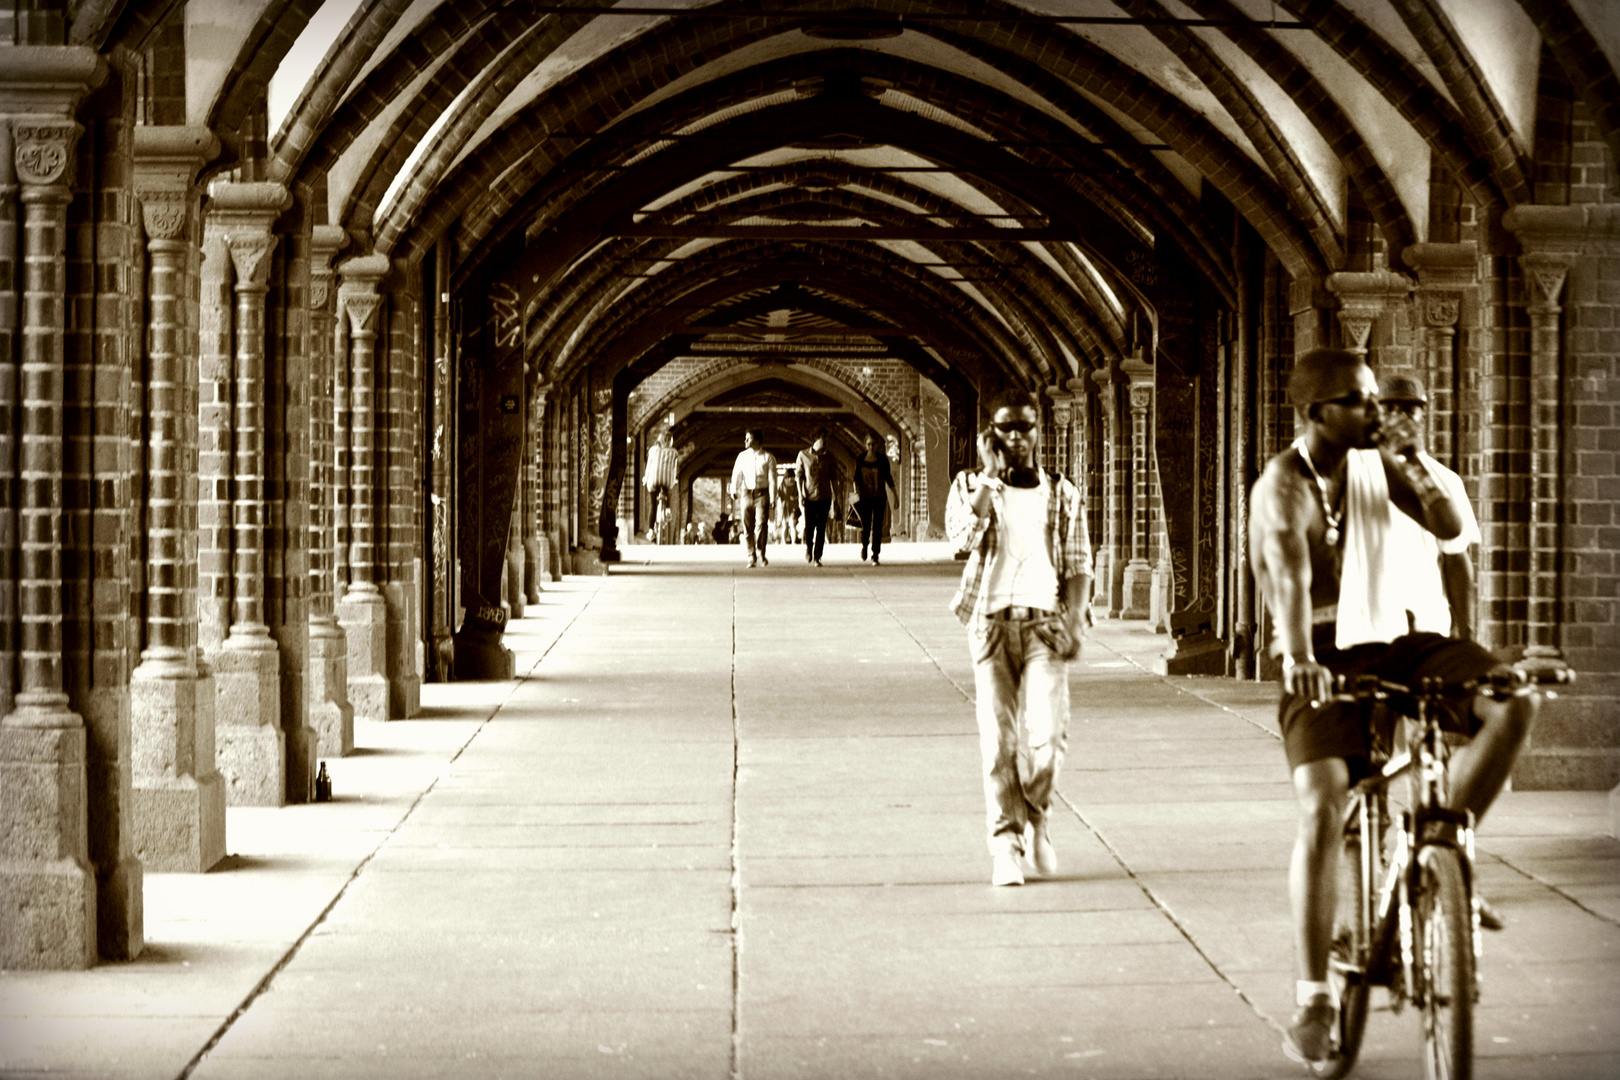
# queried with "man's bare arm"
point(1457, 573)
point(1280, 519)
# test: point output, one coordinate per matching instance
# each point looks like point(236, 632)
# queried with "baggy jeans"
point(1022, 704)
point(756, 520)
point(815, 526)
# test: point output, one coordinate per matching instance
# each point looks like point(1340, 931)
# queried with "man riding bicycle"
point(1319, 518)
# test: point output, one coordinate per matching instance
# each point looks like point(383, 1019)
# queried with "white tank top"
point(1022, 574)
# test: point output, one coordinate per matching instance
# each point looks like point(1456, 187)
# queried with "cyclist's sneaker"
point(1309, 1040)
point(1004, 869)
point(1489, 917)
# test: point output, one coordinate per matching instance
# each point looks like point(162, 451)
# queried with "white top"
point(1021, 574)
point(1413, 554)
point(755, 469)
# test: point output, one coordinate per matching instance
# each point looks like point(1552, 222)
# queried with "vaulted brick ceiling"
point(982, 177)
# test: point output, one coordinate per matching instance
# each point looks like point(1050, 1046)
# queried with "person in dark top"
point(817, 474)
point(873, 482)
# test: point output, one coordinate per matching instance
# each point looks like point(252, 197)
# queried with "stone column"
point(47, 885)
point(1545, 273)
point(247, 664)
point(1062, 429)
point(179, 795)
point(330, 713)
point(1106, 561)
point(1448, 277)
point(515, 594)
point(363, 612)
point(1136, 598)
point(529, 482)
point(1364, 298)
point(540, 463)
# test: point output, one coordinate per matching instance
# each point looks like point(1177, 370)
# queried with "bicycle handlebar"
point(1496, 684)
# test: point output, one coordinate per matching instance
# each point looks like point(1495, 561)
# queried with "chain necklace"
point(1331, 536)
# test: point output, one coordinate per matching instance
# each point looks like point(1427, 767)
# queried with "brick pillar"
point(443, 465)
point(1062, 429)
point(1109, 565)
point(514, 594)
point(1136, 588)
point(362, 611)
point(252, 745)
point(330, 713)
point(47, 885)
point(529, 497)
point(540, 464)
point(1448, 286)
point(179, 795)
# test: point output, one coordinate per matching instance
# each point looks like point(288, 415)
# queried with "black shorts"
point(1343, 729)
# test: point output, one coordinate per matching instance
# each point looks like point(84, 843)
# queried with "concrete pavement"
point(729, 823)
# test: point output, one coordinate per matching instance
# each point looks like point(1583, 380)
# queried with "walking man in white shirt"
point(1025, 589)
point(753, 483)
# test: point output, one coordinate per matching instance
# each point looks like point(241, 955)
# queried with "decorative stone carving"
point(1141, 397)
point(361, 309)
point(42, 150)
point(1441, 309)
point(1546, 271)
point(163, 213)
point(250, 256)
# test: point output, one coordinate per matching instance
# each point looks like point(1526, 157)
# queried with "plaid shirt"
point(1067, 541)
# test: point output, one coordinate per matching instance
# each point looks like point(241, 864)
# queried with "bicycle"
point(1409, 918)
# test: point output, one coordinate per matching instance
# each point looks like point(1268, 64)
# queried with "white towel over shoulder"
point(1370, 605)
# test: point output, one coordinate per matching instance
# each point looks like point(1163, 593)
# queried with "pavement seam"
point(263, 984)
point(1182, 689)
point(1169, 915)
point(736, 877)
point(1544, 883)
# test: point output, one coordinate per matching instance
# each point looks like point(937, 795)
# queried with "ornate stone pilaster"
point(363, 612)
point(1364, 298)
point(330, 713)
point(252, 745)
point(48, 888)
point(1108, 564)
point(1447, 285)
point(179, 795)
point(1137, 582)
point(1062, 429)
point(529, 479)
point(539, 463)
point(1545, 273)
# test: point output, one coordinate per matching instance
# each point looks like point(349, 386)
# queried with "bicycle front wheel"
point(1443, 926)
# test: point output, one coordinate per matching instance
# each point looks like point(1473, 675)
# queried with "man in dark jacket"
point(873, 482)
point(817, 474)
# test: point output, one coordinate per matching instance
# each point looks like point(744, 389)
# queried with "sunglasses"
point(1356, 399)
point(1007, 427)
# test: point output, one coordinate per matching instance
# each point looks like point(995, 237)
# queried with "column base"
point(49, 899)
point(481, 656)
point(178, 818)
point(534, 561)
point(120, 911)
point(1136, 600)
point(330, 713)
point(251, 748)
point(364, 618)
point(1201, 653)
point(180, 824)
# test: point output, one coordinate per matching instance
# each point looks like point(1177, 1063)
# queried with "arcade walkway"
point(728, 824)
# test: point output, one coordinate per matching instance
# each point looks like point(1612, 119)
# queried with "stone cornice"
point(48, 80)
point(1444, 266)
point(1585, 229)
point(169, 158)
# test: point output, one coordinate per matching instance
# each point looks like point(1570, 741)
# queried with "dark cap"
point(1402, 388)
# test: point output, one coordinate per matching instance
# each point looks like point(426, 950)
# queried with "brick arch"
point(711, 378)
point(519, 170)
point(1031, 318)
point(267, 45)
point(890, 274)
point(1585, 64)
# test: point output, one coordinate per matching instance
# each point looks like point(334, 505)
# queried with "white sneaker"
point(1004, 869)
point(1042, 855)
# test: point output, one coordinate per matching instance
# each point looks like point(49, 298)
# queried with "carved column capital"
point(358, 297)
point(167, 160)
point(1440, 309)
point(1545, 271)
point(325, 242)
point(244, 217)
point(1363, 298)
point(42, 149)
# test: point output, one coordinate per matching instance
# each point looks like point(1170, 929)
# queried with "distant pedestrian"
point(1026, 588)
point(873, 482)
point(817, 472)
point(753, 483)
